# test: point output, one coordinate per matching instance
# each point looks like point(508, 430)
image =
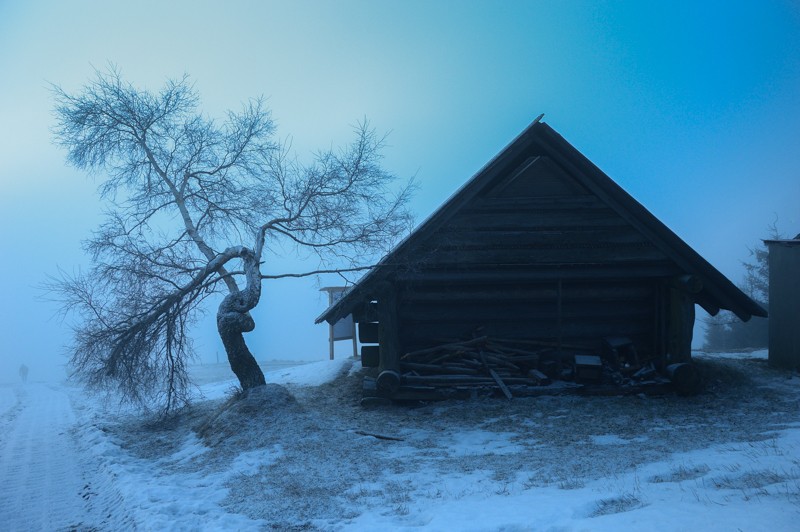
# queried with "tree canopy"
point(196, 207)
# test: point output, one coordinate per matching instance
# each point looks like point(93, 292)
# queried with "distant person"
point(23, 373)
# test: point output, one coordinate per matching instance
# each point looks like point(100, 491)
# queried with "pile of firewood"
point(521, 368)
point(480, 361)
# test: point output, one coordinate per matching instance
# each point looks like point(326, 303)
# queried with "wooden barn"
point(539, 267)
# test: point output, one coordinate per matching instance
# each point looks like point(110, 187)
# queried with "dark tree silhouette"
point(194, 208)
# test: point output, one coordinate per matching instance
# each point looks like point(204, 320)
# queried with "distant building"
point(784, 303)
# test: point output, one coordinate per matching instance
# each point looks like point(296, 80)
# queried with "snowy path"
point(44, 484)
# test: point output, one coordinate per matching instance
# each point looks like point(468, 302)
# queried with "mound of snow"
point(219, 382)
point(311, 374)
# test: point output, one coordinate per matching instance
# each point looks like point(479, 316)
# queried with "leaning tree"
point(195, 208)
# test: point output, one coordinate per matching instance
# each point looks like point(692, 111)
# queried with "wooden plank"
point(512, 274)
point(590, 332)
point(580, 291)
point(500, 383)
point(545, 311)
point(536, 219)
point(518, 204)
point(466, 237)
point(540, 378)
point(523, 255)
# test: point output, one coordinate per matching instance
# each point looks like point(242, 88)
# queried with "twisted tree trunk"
point(231, 326)
point(234, 319)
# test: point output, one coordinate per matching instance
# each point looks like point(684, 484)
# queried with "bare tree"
point(195, 208)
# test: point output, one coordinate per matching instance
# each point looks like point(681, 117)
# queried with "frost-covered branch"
point(195, 207)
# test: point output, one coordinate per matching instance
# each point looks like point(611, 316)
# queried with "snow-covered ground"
point(302, 454)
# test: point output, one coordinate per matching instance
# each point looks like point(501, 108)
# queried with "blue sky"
point(692, 107)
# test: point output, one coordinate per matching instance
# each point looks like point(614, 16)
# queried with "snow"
point(761, 354)
point(303, 374)
point(303, 455)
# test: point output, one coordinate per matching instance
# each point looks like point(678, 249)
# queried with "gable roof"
point(569, 171)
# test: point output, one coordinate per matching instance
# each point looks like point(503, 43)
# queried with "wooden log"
point(513, 277)
point(500, 383)
point(370, 356)
point(684, 378)
point(454, 345)
point(437, 369)
point(617, 254)
point(440, 359)
point(446, 380)
point(388, 381)
point(470, 362)
point(542, 343)
point(646, 373)
point(366, 312)
point(368, 332)
point(461, 380)
point(500, 360)
point(532, 359)
point(540, 378)
point(517, 352)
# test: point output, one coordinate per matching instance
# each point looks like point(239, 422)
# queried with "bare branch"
point(181, 187)
point(316, 272)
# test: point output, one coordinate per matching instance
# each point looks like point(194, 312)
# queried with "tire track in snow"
point(44, 483)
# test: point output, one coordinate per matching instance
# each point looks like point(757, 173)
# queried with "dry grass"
point(327, 462)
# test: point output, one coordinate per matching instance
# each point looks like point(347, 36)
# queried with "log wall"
point(534, 255)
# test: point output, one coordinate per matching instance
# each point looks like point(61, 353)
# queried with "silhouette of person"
point(23, 372)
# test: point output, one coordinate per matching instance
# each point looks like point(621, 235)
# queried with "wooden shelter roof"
point(540, 141)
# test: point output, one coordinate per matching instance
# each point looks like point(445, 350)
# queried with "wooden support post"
point(330, 340)
point(388, 324)
point(681, 326)
point(560, 314)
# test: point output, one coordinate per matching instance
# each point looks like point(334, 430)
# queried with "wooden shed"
point(541, 248)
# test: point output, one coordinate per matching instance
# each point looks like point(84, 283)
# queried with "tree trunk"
point(231, 325)
point(234, 319)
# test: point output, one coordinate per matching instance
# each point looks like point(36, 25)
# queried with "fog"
point(691, 109)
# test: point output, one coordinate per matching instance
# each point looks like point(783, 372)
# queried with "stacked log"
point(525, 368)
point(478, 362)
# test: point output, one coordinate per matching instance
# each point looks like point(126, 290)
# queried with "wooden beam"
point(613, 254)
point(513, 274)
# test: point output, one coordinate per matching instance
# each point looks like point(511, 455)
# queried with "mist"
point(691, 109)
